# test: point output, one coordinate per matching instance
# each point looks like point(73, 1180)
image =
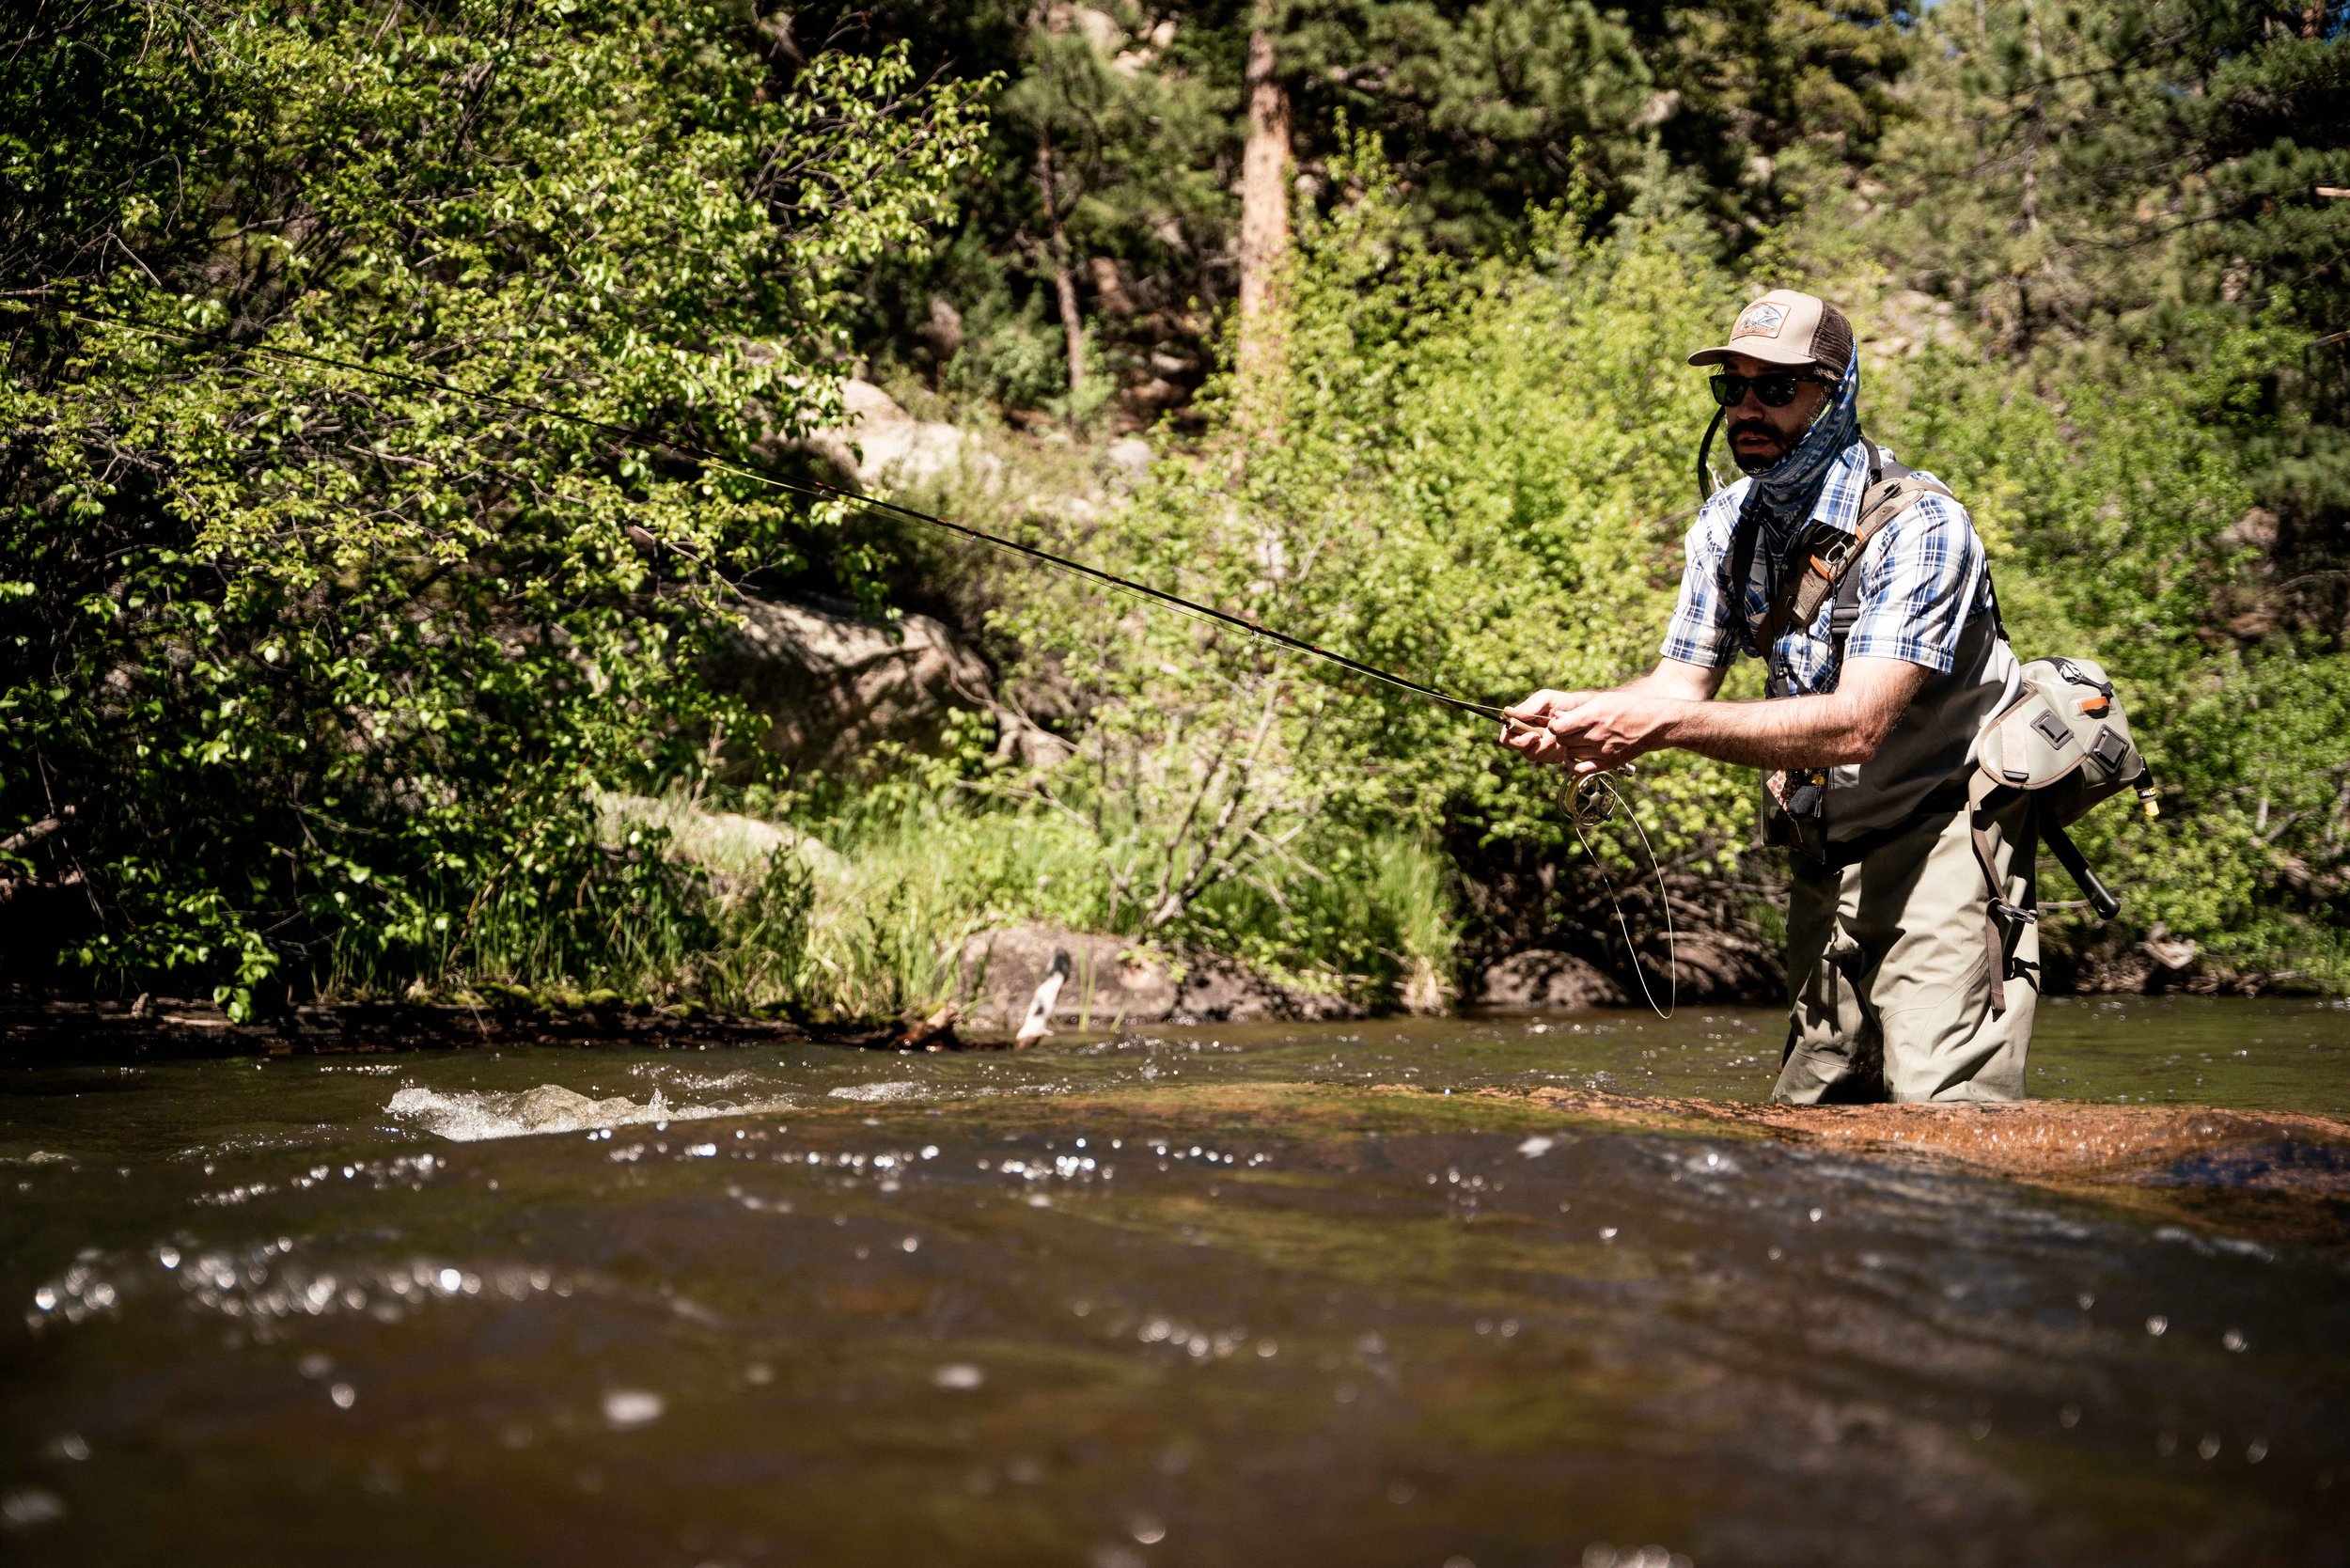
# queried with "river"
point(1214, 1296)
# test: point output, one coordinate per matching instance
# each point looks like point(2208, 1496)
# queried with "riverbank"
point(1097, 1002)
point(168, 1029)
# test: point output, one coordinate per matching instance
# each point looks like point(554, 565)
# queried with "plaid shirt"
point(1922, 579)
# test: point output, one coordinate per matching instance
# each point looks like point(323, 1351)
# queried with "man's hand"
point(1589, 731)
point(1674, 706)
point(1525, 727)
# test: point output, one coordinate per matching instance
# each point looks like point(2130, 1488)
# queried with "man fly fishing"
point(1863, 586)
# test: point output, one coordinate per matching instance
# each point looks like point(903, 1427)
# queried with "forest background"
point(319, 682)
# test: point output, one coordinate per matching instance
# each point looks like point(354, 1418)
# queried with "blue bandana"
point(1781, 496)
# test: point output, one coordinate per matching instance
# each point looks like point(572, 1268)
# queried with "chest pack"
point(1822, 564)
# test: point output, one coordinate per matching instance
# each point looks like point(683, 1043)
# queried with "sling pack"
point(2067, 743)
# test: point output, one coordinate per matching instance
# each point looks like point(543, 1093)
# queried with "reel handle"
point(1590, 797)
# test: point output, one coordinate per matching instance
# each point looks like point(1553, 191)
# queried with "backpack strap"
point(1893, 488)
point(1822, 564)
point(1742, 542)
point(1979, 786)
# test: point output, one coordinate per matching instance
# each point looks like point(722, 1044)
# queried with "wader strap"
point(1979, 786)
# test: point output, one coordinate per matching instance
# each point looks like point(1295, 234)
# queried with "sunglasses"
point(1775, 391)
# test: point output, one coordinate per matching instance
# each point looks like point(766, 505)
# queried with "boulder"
point(884, 447)
point(1108, 982)
point(2172, 952)
point(734, 848)
point(1128, 458)
point(832, 684)
point(1542, 978)
point(1220, 991)
point(1717, 967)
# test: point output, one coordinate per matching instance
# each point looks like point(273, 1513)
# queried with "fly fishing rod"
point(1591, 798)
point(650, 441)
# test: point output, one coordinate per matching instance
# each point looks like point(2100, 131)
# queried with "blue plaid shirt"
point(1922, 579)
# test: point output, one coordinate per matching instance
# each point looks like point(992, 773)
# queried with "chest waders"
point(2064, 741)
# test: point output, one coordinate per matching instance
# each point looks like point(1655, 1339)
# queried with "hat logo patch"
point(1760, 320)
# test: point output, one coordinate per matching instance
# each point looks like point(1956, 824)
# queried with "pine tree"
point(2115, 183)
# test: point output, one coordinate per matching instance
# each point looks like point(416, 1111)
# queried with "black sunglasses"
point(1775, 391)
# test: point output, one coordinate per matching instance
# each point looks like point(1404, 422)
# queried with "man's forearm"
point(1788, 732)
point(1659, 682)
point(1674, 706)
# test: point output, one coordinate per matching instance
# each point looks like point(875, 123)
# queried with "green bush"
point(327, 663)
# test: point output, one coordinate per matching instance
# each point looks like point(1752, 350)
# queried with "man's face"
point(1760, 437)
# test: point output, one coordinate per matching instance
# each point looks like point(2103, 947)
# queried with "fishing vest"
point(2053, 729)
point(1922, 762)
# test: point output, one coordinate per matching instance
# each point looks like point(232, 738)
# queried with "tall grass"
point(869, 919)
point(918, 875)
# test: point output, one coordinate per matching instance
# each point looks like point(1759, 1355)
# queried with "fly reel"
point(1590, 799)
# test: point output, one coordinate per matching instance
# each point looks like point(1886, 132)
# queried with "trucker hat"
point(1784, 327)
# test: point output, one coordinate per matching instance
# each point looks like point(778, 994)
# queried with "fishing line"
point(1578, 812)
point(1577, 809)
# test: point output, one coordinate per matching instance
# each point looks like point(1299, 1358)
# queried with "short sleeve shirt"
point(1922, 579)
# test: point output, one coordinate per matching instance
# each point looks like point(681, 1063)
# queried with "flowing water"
point(1202, 1296)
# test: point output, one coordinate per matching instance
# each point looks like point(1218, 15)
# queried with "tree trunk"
point(1110, 289)
point(1071, 325)
point(1057, 250)
point(1264, 215)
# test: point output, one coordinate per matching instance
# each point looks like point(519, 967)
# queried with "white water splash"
point(625, 1409)
point(881, 1091)
point(469, 1118)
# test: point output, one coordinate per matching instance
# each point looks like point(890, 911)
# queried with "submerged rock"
point(551, 1107)
point(2300, 1153)
point(469, 1117)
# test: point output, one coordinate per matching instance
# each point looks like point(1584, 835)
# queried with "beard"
point(1756, 462)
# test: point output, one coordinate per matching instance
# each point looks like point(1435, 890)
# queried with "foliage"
point(1437, 503)
point(327, 662)
point(1489, 111)
point(2109, 188)
point(1481, 479)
